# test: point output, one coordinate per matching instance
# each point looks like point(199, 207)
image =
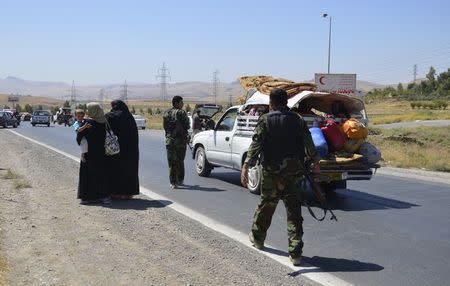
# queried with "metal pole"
point(329, 46)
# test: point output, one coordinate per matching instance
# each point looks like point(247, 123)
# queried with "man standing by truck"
point(176, 125)
point(282, 138)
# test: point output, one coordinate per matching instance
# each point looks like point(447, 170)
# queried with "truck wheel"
point(15, 125)
point(33, 124)
point(254, 179)
point(202, 166)
point(330, 188)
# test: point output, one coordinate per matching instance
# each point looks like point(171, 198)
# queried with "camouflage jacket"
point(176, 125)
point(259, 137)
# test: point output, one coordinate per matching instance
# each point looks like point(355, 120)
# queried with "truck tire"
point(254, 179)
point(48, 124)
point(15, 125)
point(33, 124)
point(202, 165)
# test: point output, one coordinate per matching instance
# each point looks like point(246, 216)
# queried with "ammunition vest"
point(284, 139)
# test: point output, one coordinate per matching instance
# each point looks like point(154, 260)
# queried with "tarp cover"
point(265, 84)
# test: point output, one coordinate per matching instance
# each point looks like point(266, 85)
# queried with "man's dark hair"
point(176, 99)
point(278, 97)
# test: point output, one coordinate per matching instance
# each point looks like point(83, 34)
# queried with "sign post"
point(336, 83)
point(13, 99)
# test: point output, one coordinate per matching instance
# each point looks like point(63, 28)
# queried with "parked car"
point(207, 112)
point(7, 119)
point(42, 117)
point(226, 145)
point(141, 122)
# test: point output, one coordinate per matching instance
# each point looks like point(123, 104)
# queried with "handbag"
point(112, 146)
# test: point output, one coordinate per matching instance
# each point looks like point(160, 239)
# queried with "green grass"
point(393, 111)
point(419, 147)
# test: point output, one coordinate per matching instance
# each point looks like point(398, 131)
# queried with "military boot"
point(257, 245)
point(296, 261)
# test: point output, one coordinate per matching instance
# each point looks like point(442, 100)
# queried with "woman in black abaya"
point(123, 176)
point(91, 186)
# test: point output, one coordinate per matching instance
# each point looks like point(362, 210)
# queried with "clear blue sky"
point(109, 41)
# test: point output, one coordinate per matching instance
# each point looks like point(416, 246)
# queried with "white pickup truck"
point(226, 145)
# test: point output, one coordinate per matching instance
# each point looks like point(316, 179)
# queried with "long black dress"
point(123, 169)
point(92, 181)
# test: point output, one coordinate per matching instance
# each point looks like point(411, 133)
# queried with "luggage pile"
point(265, 84)
point(344, 142)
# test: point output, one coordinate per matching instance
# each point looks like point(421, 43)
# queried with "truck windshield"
point(42, 113)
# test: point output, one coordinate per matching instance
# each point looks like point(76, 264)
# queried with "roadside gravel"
point(49, 239)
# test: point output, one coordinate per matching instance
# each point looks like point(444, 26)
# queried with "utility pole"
point(73, 95)
point(216, 83)
point(329, 41)
point(164, 76)
point(124, 92)
point(101, 95)
point(415, 73)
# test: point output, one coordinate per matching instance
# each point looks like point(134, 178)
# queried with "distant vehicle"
point(141, 122)
point(7, 119)
point(25, 116)
point(64, 115)
point(207, 112)
point(42, 117)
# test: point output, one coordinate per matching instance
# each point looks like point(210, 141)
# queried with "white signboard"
point(13, 99)
point(336, 83)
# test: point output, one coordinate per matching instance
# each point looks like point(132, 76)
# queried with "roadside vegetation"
point(3, 269)
point(18, 181)
point(419, 147)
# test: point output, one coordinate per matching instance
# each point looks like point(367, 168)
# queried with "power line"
point(73, 94)
point(124, 92)
point(415, 72)
point(164, 76)
point(215, 85)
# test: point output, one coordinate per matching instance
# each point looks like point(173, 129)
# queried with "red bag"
point(334, 136)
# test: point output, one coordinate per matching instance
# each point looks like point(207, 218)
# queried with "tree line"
point(434, 87)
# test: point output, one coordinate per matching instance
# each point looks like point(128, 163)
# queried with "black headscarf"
point(119, 105)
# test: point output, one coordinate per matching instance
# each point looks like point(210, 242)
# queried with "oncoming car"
point(141, 122)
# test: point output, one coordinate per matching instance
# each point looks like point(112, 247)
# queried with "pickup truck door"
point(220, 146)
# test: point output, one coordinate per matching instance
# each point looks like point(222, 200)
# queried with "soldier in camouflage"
point(176, 125)
point(281, 138)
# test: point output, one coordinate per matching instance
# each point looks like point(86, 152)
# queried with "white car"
point(141, 122)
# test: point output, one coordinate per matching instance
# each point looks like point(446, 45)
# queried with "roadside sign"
point(13, 99)
point(336, 83)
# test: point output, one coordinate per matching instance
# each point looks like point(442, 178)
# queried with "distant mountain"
point(193, 90)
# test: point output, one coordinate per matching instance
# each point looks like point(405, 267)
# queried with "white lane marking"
point(308, 271)
point(427, 176)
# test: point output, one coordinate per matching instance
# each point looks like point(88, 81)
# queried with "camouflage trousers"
point(175, 157)
point(271, 193)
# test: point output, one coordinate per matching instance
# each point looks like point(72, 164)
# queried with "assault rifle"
point(318, 193)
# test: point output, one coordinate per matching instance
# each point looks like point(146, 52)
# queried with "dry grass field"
point(419, 147)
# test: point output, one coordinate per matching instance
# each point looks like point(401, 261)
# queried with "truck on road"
point(227, 143)
point(42, 117)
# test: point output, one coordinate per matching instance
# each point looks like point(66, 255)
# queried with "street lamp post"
point(329, 41)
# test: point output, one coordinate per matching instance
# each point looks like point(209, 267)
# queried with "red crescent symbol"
point(321, 79)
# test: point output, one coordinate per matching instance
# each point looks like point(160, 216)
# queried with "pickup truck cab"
point(42, 117)
point(226, 145)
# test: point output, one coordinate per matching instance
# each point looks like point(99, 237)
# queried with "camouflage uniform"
point(176, 125)
point(283, 181)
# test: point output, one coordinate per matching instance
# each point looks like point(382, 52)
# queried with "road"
point(391, 230)
point(417, 123)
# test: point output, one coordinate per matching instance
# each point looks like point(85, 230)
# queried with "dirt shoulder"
point(49, 239)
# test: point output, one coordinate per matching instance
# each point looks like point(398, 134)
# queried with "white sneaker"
point(173, 186)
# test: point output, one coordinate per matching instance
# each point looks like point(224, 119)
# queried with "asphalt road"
point(417, 123)
point(391, 231)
